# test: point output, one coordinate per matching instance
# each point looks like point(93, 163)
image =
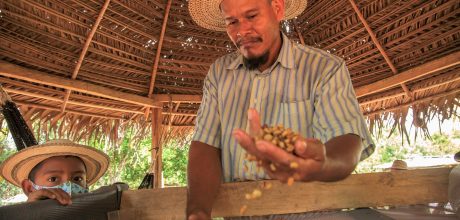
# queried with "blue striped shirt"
point(306, 89)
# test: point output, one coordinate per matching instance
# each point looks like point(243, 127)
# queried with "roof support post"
point(157, 150)
point(157, 113)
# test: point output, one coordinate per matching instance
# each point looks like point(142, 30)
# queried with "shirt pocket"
point(297, 115)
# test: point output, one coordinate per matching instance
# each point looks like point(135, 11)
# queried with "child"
point(55, 170)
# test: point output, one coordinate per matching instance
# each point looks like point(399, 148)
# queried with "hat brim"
point(18, 166)
point(206, 13)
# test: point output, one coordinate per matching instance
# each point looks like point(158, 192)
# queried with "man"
point(302, 88)
point(55, 170)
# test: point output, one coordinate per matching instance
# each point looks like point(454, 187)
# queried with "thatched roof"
point(99, 65)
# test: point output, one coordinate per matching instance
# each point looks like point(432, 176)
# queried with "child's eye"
point(52, 179)
point(78, 179)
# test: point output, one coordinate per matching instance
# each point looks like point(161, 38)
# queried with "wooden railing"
point(358, 190)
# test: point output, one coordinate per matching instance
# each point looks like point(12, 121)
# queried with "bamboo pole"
point(160, 45)
point(85, 49)
point(157, 157)
point(379, 46)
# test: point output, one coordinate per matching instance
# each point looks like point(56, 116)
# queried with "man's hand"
point(204, 176)
point(199, 215)
point(58, 194)
point(313, 160)
point(309, 157)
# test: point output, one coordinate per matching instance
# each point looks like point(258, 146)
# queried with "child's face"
point(57, 170)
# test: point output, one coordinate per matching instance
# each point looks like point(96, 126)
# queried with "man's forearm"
point(204, 177)
point(342, 156)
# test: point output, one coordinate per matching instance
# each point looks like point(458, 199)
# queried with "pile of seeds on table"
point(285, 139)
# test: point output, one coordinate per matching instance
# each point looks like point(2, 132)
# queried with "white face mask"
point(68, 187)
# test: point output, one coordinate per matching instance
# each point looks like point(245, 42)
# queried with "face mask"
point(68, 187)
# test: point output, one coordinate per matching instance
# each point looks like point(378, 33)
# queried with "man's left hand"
point(306, 164)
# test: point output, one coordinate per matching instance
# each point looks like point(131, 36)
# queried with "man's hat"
point(207, 14)
point(18, 166)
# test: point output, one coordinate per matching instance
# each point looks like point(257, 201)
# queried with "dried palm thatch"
point(80, 68)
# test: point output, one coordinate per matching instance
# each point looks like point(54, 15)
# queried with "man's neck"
point(274, 54)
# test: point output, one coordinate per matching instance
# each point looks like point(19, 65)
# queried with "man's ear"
point(27, 186)
point(278, 8)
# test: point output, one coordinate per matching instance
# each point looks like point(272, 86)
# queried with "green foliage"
point(7, 190)
point(128, 164)
point(175, 164)
point(390, 149)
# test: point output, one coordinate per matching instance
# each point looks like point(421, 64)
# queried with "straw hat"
point(399, 165)
point(18, 166)
point(207, 14)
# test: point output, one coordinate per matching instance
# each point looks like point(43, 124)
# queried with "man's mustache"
point(242, 40)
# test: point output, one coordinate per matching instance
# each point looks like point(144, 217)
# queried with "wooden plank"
point(414, 73)
point(358, 190)
point(18, 72)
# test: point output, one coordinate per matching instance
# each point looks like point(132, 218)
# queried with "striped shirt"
point(306, 89)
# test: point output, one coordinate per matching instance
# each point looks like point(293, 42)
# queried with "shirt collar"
point(285, 57)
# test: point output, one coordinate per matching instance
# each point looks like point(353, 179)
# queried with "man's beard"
point(255, 62)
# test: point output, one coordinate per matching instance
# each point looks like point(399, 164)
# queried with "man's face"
point(253, 25)
point(57, 170)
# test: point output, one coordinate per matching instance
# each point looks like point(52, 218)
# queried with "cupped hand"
point(306, 164)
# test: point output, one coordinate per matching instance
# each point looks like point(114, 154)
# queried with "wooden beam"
point(177, 98)
point(18, 72)
point(189, 62)
point(171, 116)
point(160, 45)
point(52, 108)
point(379, 46)
point(179, 114)
point(420, 87)
point(414, 73)
point(85, 49)
point(432, 84)
point(358, 190)
point(415, 102)
point(16, 91)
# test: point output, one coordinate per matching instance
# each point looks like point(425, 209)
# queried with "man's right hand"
point(204, 175)
point(58, 194)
